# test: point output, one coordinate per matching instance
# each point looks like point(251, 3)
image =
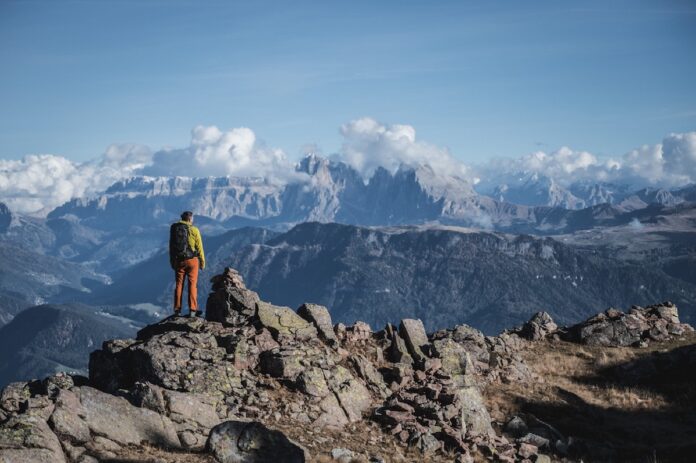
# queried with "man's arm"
point(199, 247)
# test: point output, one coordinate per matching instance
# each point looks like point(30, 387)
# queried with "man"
point(186, 256)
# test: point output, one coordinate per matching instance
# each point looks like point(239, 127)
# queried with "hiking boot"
point(199, 314)
point(177, 314)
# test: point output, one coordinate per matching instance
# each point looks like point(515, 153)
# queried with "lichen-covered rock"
point(397, 351)
point(186, 358)
point(538, 327)
point(319, 316)
point(354, 398)
point(282, 362)
point(413, 332)
point(473, 409)
point(614, 328)
point(283, 322)
point(312, 382)
point(193, 415)
point(252, 442)
point(369, 373)
point(14, 395)
point(27, 438)
point(86, 411)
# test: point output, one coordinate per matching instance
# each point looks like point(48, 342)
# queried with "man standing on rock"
point(186, 256)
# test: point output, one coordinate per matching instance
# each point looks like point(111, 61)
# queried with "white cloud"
point(213, 152)
point(40, 182)
point(679, 156)
point(369, 144)
point(667, 164)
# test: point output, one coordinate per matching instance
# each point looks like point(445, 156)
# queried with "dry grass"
point(580, 390)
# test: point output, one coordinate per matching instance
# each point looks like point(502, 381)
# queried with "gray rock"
point(331, 414)
point(313, 383)
point(614, 328)
point(538, 327)
point(369, 373)
point(252, 442)
point(27, 438)
point(342, 455)
point(359, 331)
point(517, 427)
point(427, 443)
point(230, 304)
point(283, 322)
point(194, 409)
point(354, 398)
point(413, 332)
point(397, 351)
point(66, 420)
point(14, 395)
point(473, 410)
point(282, 362)
point(319, 316)
point(88, 410)
point(535, 440)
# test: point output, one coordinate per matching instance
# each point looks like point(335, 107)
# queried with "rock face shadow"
point(657, 423)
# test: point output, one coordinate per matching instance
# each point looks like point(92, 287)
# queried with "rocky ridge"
point(215, 386)
point(612, 328)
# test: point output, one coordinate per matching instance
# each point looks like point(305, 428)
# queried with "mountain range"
point(534, 189)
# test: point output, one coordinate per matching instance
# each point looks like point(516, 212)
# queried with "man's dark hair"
point(187, 216)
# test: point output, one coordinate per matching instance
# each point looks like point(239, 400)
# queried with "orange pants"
point(189, 269)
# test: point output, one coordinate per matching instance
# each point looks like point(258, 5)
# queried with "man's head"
point(187, 216)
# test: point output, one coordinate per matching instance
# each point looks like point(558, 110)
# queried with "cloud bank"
point(37, 184)
point(213, 152)
point(668, 164)
point(40, 182)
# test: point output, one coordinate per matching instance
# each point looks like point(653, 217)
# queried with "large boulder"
point(83, 412)
point(27, 438)
point(319, 316)
point(252, 442)
point(283, 322)
point(413, 332)
point(538, 327)
point(639, 326)
point(193, 415)
point(189, 358)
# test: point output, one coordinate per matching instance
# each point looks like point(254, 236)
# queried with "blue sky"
point(485, 79)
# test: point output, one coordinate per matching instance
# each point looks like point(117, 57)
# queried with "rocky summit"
point(255, 382)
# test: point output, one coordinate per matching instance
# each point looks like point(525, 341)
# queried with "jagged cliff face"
point(300, 388)
point(321, 190)
point(533, 189)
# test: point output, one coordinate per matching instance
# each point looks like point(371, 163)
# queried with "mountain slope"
point(28, 278)
point(447, 276)
point(45, 339)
